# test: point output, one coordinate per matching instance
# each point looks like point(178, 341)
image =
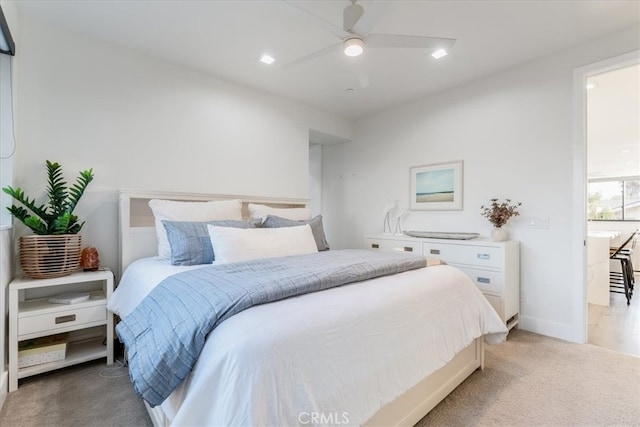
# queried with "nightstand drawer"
point(61, 319)
point(486, 281)
point(481, 256)
point(394, 246)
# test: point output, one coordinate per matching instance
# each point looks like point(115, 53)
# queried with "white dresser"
point(493, 266)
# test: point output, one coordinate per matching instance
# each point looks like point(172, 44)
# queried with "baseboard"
point(562, 331)
point(4, 387)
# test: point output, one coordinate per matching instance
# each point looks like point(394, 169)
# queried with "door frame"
point(579, 203)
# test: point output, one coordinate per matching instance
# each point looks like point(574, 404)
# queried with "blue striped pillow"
point(190, 242)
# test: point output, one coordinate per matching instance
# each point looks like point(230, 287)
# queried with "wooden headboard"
point(137, 237)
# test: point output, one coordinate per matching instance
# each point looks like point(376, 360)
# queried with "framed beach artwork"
point(437, 186)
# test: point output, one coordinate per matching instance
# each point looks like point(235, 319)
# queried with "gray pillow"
point(315, 223)
point(190, 243)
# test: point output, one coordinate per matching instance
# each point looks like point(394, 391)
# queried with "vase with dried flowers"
point(498, 213)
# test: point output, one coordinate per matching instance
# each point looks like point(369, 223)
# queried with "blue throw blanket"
point(165, 334)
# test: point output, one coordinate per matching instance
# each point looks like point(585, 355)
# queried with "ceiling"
point(226, 38)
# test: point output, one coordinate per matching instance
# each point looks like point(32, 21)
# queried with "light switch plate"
point(541, 222)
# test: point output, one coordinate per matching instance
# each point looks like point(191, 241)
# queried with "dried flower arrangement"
point(499, 213)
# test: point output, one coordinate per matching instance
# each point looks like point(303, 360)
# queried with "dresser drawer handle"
point(65, 319)
point(408, 249)
point(484, 280)
point(375, 246)
point(484, 256)
point(434, 251)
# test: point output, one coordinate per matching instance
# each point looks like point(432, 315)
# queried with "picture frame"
point(436, 186)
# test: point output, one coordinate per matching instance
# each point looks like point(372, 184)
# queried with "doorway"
point(611, 95)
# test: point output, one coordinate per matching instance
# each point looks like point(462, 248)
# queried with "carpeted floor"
point(76, 396)
point(530, 380)
point(533, 380)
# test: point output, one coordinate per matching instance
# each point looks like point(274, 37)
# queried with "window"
point(616, 199)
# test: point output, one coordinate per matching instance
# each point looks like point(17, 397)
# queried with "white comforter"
point(344, 352)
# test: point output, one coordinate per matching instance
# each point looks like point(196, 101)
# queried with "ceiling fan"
point(355, 35)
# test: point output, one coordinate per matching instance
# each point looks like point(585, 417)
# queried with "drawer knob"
point(65, 319)
point(408, 249)
point(484, 256)
point(375, 246)
point(484, 280)
point(434, 251)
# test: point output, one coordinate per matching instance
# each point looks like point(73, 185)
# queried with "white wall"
point(144, 123)
point(315, 179)
point(514, 132)
point(6, 178)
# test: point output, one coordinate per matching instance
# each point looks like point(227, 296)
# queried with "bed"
point(383, 351)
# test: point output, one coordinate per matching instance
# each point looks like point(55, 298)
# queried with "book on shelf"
point(69, 298)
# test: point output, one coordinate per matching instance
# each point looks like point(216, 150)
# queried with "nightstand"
point(89, 323)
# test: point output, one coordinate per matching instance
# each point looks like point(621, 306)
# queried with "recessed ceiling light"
point(439, 53)
point(349, 89)
point(353, 47)
point(267, 59)
point(591, 85)
point(626, 151)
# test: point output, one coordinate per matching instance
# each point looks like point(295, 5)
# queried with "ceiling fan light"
point(267, 59)
point(353, 47)
point(439, 53)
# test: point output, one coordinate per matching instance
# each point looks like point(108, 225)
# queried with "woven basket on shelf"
point(44, 257)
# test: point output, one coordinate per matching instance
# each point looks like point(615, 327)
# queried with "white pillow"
point(173, 210)
point(236, 244)
point(261, 212)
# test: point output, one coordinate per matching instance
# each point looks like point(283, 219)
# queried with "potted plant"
point(54, 248)
point(498, 213)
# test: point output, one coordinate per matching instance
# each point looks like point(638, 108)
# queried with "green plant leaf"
point(18, 194)
point(36, 224)
point(60, 225)
point(56, 217)
point(77, 190)
point(56, 189)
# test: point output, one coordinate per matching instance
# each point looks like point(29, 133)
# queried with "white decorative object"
point(69, 297)
point(403, 212)
point(499, 234)
point(388, 211)
point(498, 213)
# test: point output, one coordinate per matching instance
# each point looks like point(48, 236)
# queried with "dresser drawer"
point(61, 319)
point(481, 256)
point(393, 245)
point(486, 281)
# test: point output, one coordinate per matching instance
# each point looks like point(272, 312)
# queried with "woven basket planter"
point(44, 257)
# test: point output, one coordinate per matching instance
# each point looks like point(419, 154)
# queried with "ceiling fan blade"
point(351, 16)
point(405, 41)
point(324, 24)
point(372, 15)
point(332, 48)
